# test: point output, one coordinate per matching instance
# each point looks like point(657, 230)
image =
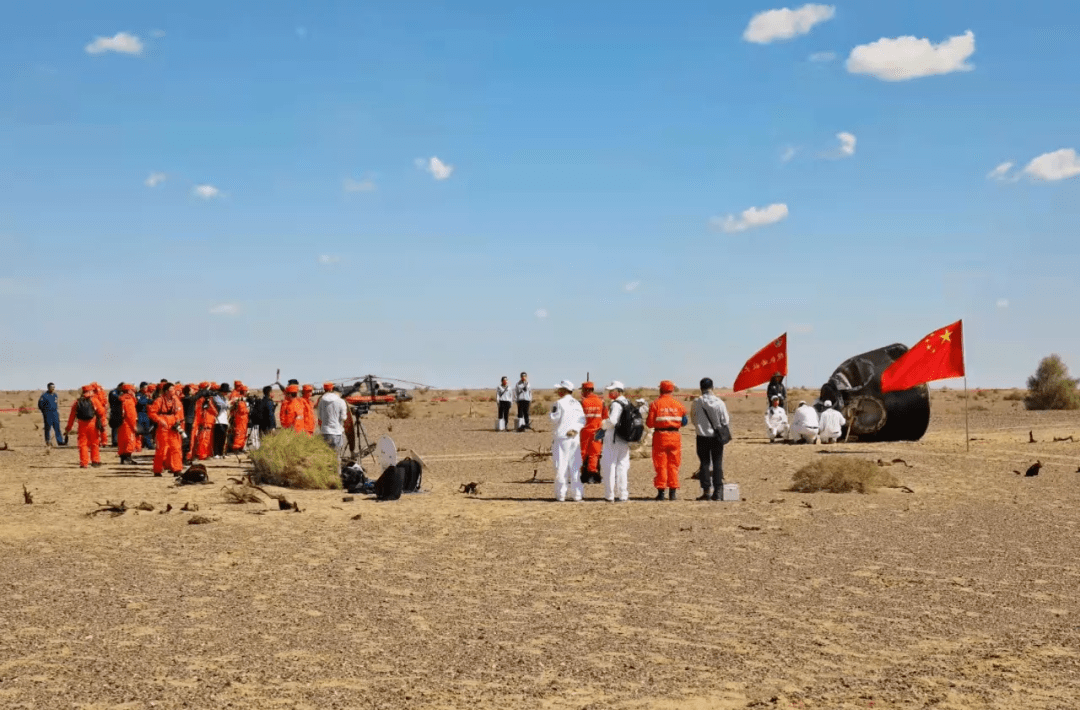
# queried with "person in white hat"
point(776, 420)
point(804, 424)
point(569, 418)
point(615, 459)
point(832, 424)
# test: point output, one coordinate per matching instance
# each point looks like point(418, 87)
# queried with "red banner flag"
point(768, 361)
point(938, 356)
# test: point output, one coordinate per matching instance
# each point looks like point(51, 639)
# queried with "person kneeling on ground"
point(805, 424)
point(831, 424)
point(776, 421)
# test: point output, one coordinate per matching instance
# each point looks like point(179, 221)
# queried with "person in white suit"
point(832, 424)
point(805, 424)
point(569, 418)
point(615, 459)
point(776, 421)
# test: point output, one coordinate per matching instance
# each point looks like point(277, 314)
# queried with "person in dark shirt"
point(188, 401)
point(263, 419)
point(776, 389)
point(49, 405)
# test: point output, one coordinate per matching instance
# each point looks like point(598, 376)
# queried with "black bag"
point(631, 426)
point(196, 473)
point(411, 475)
point(389, 485)
point(722, 432)
point(84, 410)
point(353, 479)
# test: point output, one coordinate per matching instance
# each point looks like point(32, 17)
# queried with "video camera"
point(361, 409)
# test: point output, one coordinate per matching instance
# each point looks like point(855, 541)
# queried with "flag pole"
point(967, 431)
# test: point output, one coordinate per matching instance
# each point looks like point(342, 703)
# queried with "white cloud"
point(207, 192)
point(365, 185)
point(823, 56)
point(788, 154)
point(847, 143)
point(157, 34)
point(541, 313)
point(752, 218)
point(121, 42)
point(328, 260)
point(908, 57)
point(632, 286)
point(225, 309)
point(785, 23)
point(1003, 303)
point(1059, 165)
point(1001, 172)
point(438, 169)
point(156, 179)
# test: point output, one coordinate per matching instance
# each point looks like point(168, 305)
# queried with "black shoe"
point(704, 496)
point(717, 495)
point(96, 464)
point(671, 493)
point(659, 494)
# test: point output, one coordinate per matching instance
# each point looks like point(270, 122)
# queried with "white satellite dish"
point(386, 452)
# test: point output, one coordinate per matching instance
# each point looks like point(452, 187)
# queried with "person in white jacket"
point(615, 459)
point(804, 424)
point(776, 421)
point(505, 397)
point(831, 424)
point(568, 417)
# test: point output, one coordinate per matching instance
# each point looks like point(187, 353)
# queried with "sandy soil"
point(962, 594)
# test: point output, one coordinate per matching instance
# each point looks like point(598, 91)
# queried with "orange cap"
point(204, 385)
point(588, 386)
point(309, 388)
point(292, 389)
point(327, 386)
point(667, 387)
point(87, 389)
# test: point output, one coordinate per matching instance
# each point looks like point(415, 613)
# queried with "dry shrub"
point(240, 494)
point(538, 407)
point(399, 410)
point(1014, 397)
point(294, 460)
point(1051, 387)
point(838, 474)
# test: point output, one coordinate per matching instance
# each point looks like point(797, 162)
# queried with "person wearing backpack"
point(666, 417)
point(91, 418)
point(623, 426)
point(710, 418)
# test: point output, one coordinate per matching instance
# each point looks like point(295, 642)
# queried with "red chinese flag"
point(766, 362)
point(938, 356)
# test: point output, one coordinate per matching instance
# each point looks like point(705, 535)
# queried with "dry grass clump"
point(294, 460)
point(399, 410)
point(842, 475)
point(538, 407)
point(1014, 397)
point(240, 494)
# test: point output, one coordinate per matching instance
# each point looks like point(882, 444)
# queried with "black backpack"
point(411, 475)
point(353, 479)
point(84, 409)
point(631, 426)
point(390, 483)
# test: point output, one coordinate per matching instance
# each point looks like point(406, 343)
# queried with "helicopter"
point(373, 389)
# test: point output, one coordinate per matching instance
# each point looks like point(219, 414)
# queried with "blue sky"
point(217, 190)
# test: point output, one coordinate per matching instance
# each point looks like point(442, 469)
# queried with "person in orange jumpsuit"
point(202, 432)
point(168, 414)
point(125, 434)
point(239, 418)
point(309, 413)
point(293, 410)
point(89, 434)
point(101, 397)
point(595, 414)
point(666, 417)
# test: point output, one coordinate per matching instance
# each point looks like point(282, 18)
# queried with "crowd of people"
point(183, 423)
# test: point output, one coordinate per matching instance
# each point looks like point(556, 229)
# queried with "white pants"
point(566, 455)
point(777, 431)
point(614, 468)
point(801, 433)
point(830, 437)
point(253, 440)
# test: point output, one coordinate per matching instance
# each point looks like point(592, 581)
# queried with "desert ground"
point(961, 593)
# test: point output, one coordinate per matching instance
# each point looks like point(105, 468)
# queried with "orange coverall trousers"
point(666, 458)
